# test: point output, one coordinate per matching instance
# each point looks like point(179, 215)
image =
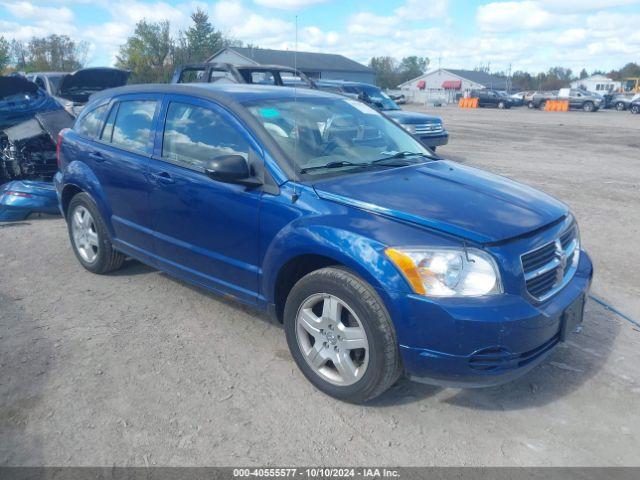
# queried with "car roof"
point(221, 92)
point(344, 83)
point(223, 66)
point(48, 74)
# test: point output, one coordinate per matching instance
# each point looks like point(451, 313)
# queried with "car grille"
point(548, 268)
point(427, 128)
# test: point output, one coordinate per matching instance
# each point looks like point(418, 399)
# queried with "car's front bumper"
point(434, 140)
point(467, 343)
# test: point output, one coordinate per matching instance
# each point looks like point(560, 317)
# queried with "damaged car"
point(36, 111)
point(21, 99)
point(72, 90)
point(277, 75)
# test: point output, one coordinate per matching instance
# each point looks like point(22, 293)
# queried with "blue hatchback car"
point(379, 258)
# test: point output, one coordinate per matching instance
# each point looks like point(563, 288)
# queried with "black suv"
point(492, 98)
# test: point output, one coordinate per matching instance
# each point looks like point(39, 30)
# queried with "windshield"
point(55, 81)
point(336, 135)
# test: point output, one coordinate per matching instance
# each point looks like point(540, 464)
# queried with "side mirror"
point(231, 169)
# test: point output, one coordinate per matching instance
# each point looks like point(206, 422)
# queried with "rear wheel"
point(620, 106)
point(89, 238)
point(501, 105)
point(530, 105)
point(635, 109)
point(542, 105)
point(341, 336)
point(588, 106)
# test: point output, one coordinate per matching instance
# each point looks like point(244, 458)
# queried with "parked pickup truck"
point(578, 99)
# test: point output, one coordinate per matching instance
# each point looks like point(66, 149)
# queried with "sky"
point(530, 35)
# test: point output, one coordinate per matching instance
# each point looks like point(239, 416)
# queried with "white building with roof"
point(597, 84)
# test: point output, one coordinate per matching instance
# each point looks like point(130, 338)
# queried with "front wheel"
point(635, 109)
point(341, 336)
point(620, 106)
point(501, 105)
point(588, 106)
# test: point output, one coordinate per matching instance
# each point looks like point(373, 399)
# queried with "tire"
point(360, 311)
point(530, 105)
point(542, 105)
point(620, 106)
point(635, 109)
point(588, 106)
point(89, 238)
point(501, 105)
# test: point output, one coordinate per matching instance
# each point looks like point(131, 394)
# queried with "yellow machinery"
point(630, 85)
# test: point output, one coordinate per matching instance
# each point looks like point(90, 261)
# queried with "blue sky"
point(530, 35)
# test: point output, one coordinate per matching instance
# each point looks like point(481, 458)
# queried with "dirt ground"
point(136, 368)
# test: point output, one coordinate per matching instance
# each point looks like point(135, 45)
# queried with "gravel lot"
point(137, 368)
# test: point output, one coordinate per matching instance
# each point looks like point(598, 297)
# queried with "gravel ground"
point(136, 368)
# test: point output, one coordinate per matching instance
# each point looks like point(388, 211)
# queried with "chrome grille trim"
point(426, 128)
point(541, 282)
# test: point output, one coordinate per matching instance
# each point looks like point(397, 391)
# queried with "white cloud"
point(29, 11)
point(510, 16)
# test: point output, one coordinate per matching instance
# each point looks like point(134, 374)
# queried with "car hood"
point(10, 86)
point(448, 197)
point(79, 85)
point(411, 118)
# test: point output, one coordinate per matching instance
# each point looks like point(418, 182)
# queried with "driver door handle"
point(163, 177)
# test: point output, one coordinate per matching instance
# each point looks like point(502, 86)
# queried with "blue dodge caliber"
point(379, 258)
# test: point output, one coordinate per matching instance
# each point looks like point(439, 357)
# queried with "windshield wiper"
point(332, 165)
point(398, 155)
point(381, 162)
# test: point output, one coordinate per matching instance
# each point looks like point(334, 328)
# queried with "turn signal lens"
point(408, 268)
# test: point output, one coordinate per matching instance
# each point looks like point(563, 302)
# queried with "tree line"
point(150, 53)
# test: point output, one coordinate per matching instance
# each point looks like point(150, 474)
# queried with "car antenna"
point(295, 195)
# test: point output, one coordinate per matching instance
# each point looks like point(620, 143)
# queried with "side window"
point(132, 127)
point(192, 75)
point(194, 135)
point(263, 78)
point(89, 125)
point(40, 82)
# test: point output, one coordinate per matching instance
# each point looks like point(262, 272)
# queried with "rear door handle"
point(97, 156)
point(163, 177)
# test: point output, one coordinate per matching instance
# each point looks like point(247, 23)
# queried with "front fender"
point(358, 253)
point(79, 175)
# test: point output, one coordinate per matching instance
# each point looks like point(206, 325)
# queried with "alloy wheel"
point(332, 339)
point(85, 235)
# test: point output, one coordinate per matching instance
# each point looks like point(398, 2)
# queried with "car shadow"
point(564, 371)
point(132, 267)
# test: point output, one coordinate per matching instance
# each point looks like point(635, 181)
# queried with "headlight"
point(447, 272)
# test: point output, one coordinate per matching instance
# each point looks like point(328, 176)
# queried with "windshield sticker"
point(269, 112)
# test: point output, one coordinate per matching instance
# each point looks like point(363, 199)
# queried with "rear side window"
point(89, 125)
point(132, 127)
point(194, 135)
